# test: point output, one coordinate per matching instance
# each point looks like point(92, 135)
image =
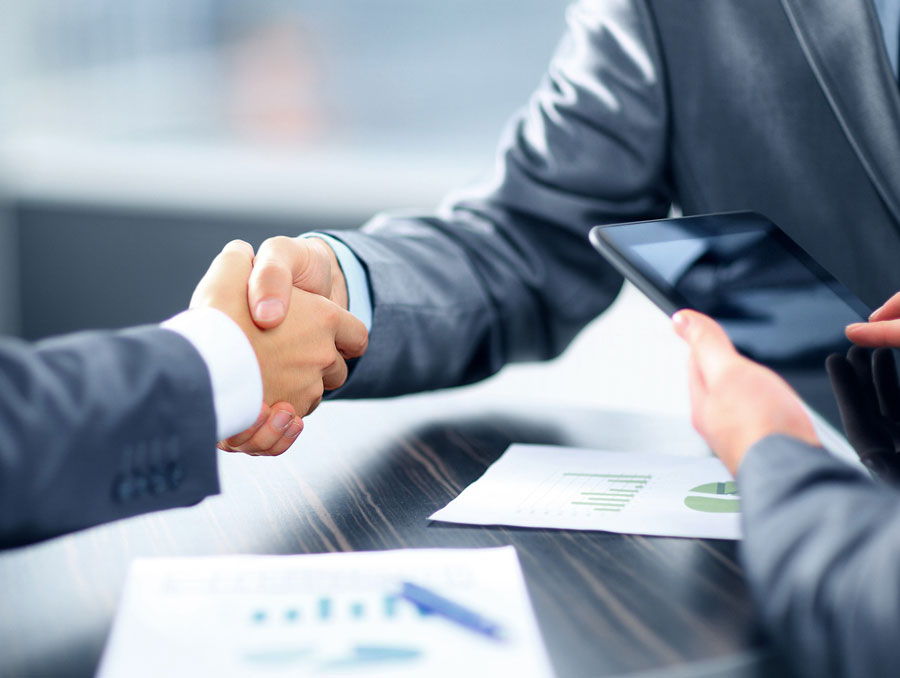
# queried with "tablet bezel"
point(620, 254)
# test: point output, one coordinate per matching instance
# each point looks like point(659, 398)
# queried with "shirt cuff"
point(233, 369)
point(359, 299)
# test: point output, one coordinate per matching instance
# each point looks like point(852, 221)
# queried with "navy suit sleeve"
point(822, 554)
point(99, 426)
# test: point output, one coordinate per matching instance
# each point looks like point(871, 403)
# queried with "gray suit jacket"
point(784, 107)
point(822, 555)
point(99, 426)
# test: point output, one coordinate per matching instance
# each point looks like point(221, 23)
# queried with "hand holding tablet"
point(778, 306)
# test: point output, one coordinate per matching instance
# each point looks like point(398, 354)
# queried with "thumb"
point(711, 350)
point(281, 264)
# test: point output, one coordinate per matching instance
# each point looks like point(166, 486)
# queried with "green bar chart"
point(611, 492)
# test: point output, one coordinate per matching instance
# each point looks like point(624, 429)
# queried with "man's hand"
point(734, 401)
point(298, 359)
point(284, 263)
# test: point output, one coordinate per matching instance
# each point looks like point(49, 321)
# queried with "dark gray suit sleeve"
point(504, 271)
point(822, 554)
point(99, 426)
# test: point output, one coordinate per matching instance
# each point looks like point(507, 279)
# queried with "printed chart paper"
point(322, 615)
point(580, 489)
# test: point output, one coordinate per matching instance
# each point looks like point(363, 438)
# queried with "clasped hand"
point(290, 300)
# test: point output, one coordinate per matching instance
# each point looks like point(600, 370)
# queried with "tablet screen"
point(776, 303)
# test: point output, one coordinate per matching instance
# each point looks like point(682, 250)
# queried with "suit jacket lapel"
point(842, 42)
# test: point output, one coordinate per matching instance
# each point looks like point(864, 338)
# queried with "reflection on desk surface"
point(605, 604)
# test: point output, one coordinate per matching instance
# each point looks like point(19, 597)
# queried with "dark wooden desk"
point(365, 476)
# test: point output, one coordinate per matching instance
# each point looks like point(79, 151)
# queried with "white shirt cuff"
point(233, 369)
point(359, 299)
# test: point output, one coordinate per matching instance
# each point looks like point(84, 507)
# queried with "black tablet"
point(778, 305)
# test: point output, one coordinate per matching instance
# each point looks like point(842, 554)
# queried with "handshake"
point(290, 300)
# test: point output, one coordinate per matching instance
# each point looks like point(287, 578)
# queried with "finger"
point(236, 441)
point(285, 441)
point(874, 334)
point(231, 266)
point(887, 387)
point(275, 436)
point(848, 392)
point(351, 338)
point(281, 264)
point(862, 422)
point(262, 446)
point(861, 361)
point(890, 310)
point(335, 375)
point(710, 346)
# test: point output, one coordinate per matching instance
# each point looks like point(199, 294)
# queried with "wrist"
point(800, 428)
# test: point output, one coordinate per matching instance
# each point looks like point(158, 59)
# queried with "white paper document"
point(322, 615)
point(580, 489)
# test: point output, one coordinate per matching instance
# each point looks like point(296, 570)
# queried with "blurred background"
point(138, 136)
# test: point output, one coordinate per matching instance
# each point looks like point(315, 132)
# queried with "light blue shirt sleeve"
point(359, 298)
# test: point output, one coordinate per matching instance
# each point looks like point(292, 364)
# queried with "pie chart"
point(714, 498)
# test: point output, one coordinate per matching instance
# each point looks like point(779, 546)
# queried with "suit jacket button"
point(123, 489)
point(174, 474)
point(140, 484)
point(158, 481)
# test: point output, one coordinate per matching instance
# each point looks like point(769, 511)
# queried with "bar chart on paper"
point(573, 488)
point(322, 615)
point(603, 492)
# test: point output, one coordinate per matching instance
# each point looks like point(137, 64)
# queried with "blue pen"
point(432, 602)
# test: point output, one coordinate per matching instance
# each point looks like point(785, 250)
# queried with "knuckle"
point(328, 360)
point(281, 241)
point(363, 345)
point(321, 357)
point(338, 380)
point(330, 313)
point(238, 247)
point(276, 245)
point(238, 244)
point(315, 390)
